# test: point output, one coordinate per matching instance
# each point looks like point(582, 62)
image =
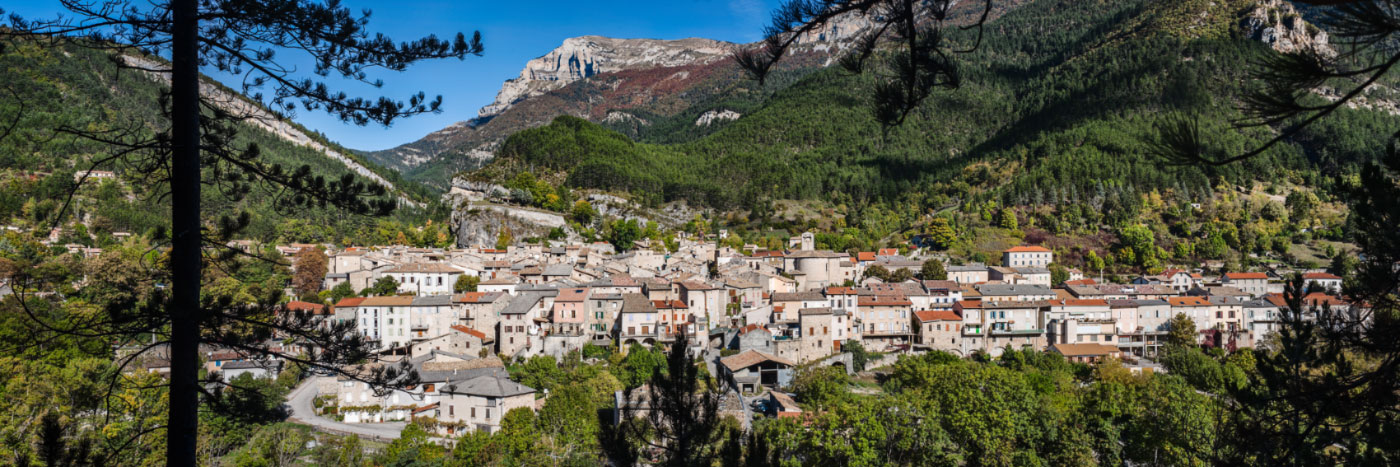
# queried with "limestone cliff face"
point(582, 57)
point(469, 143)
point(1277, 23)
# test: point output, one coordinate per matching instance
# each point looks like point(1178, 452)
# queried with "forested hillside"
point(44, 92)
point(1057, 114)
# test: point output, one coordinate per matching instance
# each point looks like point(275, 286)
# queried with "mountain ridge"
point(541, 76)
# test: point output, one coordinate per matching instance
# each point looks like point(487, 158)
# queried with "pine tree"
point(1328, 392)
point(922, 61)
point(241, 38)
point(682, 416)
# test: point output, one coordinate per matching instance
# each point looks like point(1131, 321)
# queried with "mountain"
point(643, 87)
point(49, 88)
point(583, 57)
point(1054, 120)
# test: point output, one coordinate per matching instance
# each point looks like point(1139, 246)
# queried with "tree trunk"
point(185, 315)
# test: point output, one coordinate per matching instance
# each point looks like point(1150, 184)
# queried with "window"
point(451, 409)
point(473, 412)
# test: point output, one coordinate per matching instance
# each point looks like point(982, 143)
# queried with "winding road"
point(301, 411)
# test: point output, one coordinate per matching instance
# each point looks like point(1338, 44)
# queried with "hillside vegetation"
point(47, 90)
point(1058, 108)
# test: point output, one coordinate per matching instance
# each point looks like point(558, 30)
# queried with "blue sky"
point(514, 32)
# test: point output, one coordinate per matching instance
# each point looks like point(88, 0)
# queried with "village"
point(755, 316)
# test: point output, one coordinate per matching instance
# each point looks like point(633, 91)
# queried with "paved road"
point(301, 411)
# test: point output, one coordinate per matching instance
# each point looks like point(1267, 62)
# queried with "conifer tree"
point(920, 57)
point(1329, 391)
point(681, 418)
point(243, 38)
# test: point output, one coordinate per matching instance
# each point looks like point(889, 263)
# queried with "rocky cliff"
point(582, 57)
point(256, 115)
point(631, 82)
point(1278, 24)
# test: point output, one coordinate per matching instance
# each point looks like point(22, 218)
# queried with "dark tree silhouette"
point(1328, 391)
point(243, 38)
point(680, 420)
point(920, 58)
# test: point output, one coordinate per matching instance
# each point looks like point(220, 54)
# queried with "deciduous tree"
point(933, 269)
point(1181, 331)
point(309, 271)
point(466, 283)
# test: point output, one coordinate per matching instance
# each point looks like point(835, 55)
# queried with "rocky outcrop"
point(607, 75)
point(260, 117)
point(622, 117)
point(716, 115)
point(1278, 24)
point(581, 57)
point(480, 225)
point(840, 29)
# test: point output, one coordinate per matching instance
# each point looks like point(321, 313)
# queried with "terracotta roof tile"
point(930, 315)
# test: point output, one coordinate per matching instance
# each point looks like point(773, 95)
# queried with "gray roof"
point(637, 303)
point(458, 376)
point(490, 385)
point(1013, 289)
point(814, 254)
point(974, 267)
point(1121, 303)
point(1259, 303)
point(814, 311)
point(543, 290)
point(433, 300)
point(251, 364)
point(522, 303)
point(1031, 270)
point(738, 283)
point(558, 270)
point(810, 295)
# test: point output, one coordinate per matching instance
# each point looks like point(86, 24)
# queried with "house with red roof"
point(1181, 280)
point(459, 340)
point(1027, 256)
point(938, 330)
point(672, 317)
point(346, 309)
point(1255, 284)
point(568, 312)
point(1323, 280)
point(885, 320)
